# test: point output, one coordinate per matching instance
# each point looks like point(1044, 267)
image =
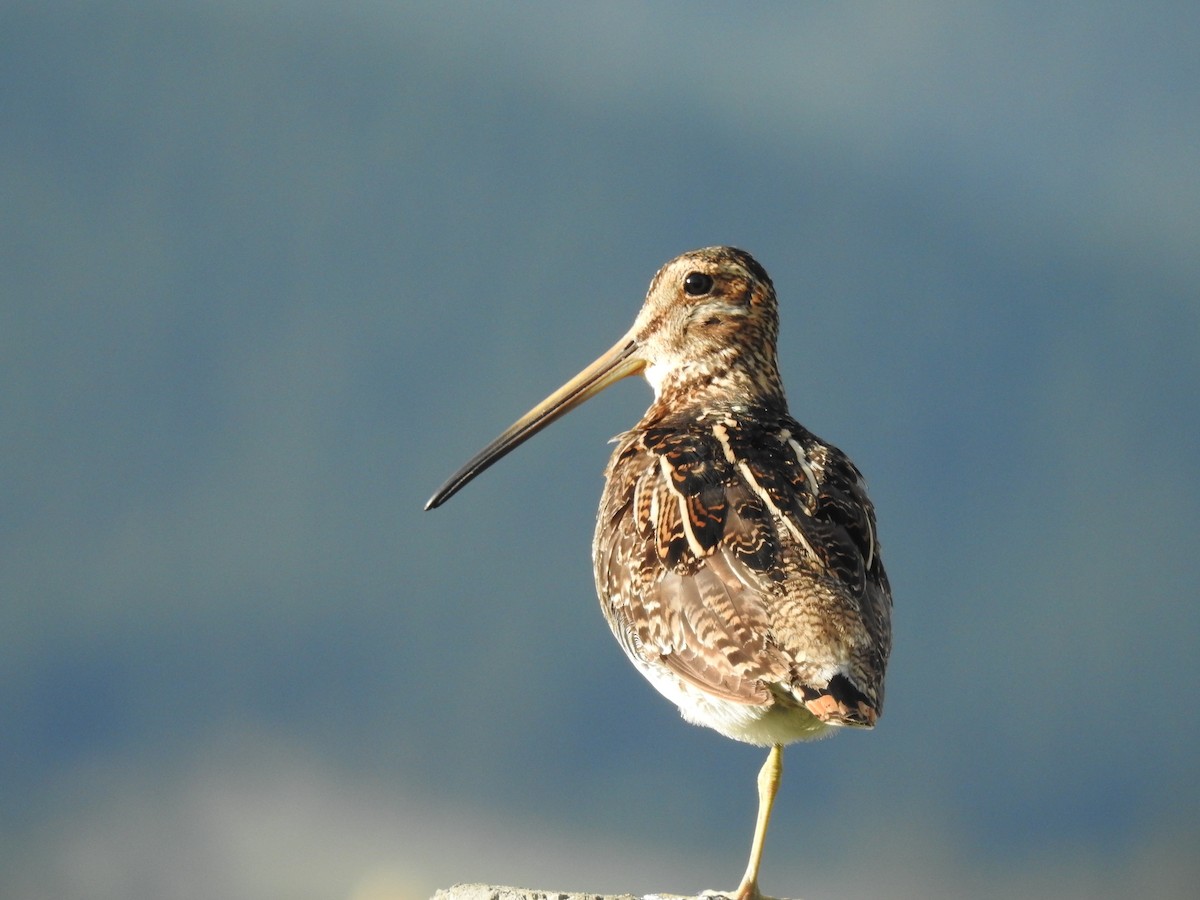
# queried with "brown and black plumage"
point(735, 553)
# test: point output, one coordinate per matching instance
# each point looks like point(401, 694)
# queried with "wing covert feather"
point(712, 531)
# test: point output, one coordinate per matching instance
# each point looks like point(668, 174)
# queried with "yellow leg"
point(768, 785)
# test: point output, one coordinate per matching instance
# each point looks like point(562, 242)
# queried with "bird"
point(735, 554)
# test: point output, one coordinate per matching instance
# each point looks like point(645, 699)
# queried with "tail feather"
point(840, 703)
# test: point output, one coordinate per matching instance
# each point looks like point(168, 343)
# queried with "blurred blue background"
point(270, 271)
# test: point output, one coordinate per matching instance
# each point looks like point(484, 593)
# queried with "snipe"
point(735, 552)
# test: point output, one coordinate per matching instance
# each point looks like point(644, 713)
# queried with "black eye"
point(697, 284)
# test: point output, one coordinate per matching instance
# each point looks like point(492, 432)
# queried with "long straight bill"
point(619, 362)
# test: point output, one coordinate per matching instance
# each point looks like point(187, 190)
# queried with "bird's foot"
point(741, 892)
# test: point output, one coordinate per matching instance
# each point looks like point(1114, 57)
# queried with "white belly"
point(764, 726)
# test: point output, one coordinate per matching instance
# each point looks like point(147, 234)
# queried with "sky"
point(271, 271)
